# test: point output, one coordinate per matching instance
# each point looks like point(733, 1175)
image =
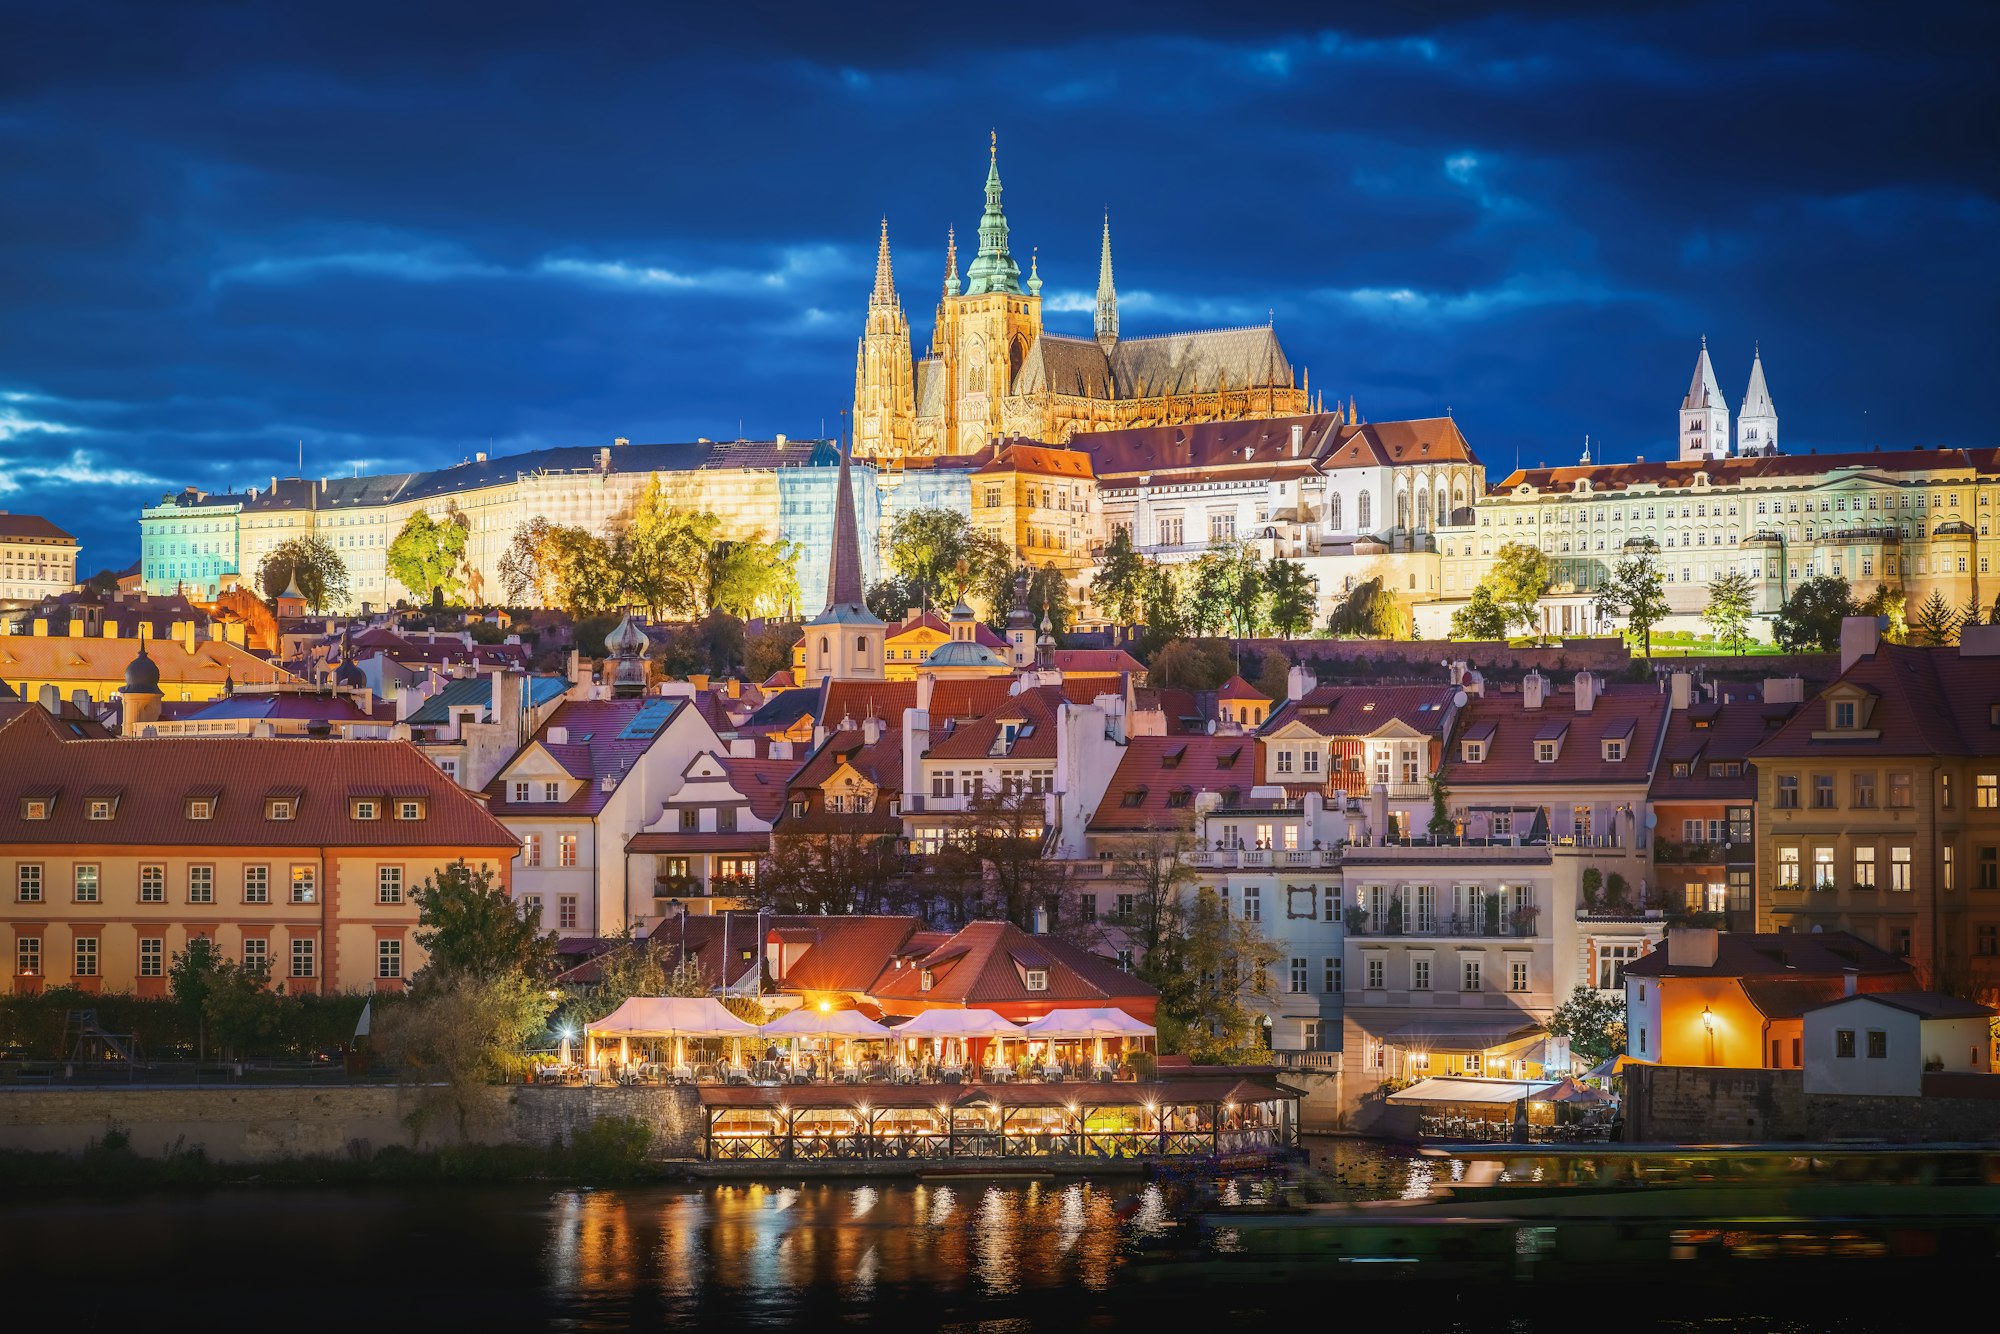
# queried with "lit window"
point(1899, 869)
point(566, 849)
point(86, 884)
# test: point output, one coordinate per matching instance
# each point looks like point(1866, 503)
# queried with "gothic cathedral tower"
point(985, 333)
point(1704, 414)
point(885, 407)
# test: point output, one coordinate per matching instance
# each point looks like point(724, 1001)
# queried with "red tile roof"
point(1155, 782)
point(1363, 710)
point(596, 750)
point(1238, 688)
point(30, 527)
point(1044, 460)
point(158, 775)
point(1709, 734)
point(1639, 710)
point(1095, 660)
point(1731, 472)
point(1928, 701)
point(1779, 954)
point(842, 953)
point(880, 763)
point(985, 963)
point(763, 781)
point(1034, 708)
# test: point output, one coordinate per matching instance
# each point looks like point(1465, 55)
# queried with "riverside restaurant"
point(1224, 1115)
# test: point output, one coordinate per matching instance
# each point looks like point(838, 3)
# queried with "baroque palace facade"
point(994, 371)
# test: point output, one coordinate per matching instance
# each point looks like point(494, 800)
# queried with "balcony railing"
point(1667, 851)
point(1306, 1060)
point(1260, 858)
point(1508, 924)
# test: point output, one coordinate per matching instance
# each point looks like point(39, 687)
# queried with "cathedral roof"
point(1200, 362)
point(930, 387)
point(1703, 391)
point(1757, 398)
point(1076, 367)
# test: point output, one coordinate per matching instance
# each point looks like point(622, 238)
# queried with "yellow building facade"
point(190, 668)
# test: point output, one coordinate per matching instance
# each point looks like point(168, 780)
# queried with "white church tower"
point(1757, 420)
point(1704, 416)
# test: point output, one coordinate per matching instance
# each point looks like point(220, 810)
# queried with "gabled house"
point(701, 848)
point(1344, 742)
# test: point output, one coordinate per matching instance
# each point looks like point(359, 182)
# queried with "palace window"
point(389, 887)
point(388, 958)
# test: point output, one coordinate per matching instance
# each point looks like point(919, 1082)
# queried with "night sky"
point(403, 233)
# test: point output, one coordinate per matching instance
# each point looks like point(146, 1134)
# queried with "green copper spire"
point(994, 270)
point(951, 261)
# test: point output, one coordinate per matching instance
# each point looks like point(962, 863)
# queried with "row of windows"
point(203, 808)
point(153, 957)
point(1470, 974)
point(566, 909)
point(1986, 869)
point(1862, 793)
point(86, 883)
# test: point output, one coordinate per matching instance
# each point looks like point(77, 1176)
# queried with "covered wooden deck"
point(1195, 1118)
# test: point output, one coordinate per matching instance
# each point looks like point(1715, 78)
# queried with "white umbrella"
point(367, 1011)
point(958, 1024)
point(672, 1017)
point(1107, 1022)
point(811, 1022)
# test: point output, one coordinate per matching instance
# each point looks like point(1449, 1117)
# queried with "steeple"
point(1585, 460)
point(951, 261)
point(885, 277)
point(843, 581)
point(993, 269)
point(1757, 420)
point(884, 383)
point(1106, 322)
point(1704, 432)
point(1034, 273)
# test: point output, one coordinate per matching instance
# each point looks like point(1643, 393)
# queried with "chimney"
point(1300, 682)
point(1785, 690)
point(604, 459)
point(576, 676)
point(1850, 981)
point(50, 698)
point(80, 700)
point(871, 729)
point(1378, 814)
point(1298, 439)
point(1691, 946)
point(41, 627)
point(926, 683)
point(699, 680)
point(1586, 692)
point(1533, 688)
point(1979, 641)
point(781, 748)
point(75, 626)
point(1681, 687)
point(916, 741)
point(1859, 636)
point(111, 629)
point(781, 440)
point(507, 708)
point(558, 736)
point(735, 688)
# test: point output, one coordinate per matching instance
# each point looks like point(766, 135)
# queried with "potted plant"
point(1592, 887)
point(1617, 895)
point(1492, 914)
point(1357, 920)
point(1396, 915)
point(1524, 919)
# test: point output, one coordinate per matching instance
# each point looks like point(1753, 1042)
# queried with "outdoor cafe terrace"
point(1205, 1117)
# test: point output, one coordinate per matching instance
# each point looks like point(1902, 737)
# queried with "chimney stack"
point(1533, 688)
point(1859, 637)
point(1681, 689)
point(1586, 692)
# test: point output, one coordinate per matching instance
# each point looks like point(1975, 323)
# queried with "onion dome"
point(142, 674)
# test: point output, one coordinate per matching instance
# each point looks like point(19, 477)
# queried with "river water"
point(963, 1255)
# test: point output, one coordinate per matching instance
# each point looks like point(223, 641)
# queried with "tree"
point(933, 549)
point(1191, 664)
point(769, 651)
point(1480, 618)
point(994, 851)
point(455, 1034)
point(826, 872)
point(1119, 590)
point(469, 925)
point(1636, 594)
point(666, 555)
point(1226, 590)
point(1934, 622)
point(191, 979)
point(1969, 614)
point(103, 583)
point(427, 555)
point(524, 568)
point(1520, 575)
point(1293, 596)
point(1887, 603)
point(989, 576)
point(1274, 675)
point(752, 577)
point(1370, 611)
point(1163, 603)
point(241, 1010)
point(890, 598)
point(1211, 970)
point(1160, 870)
point(1048, 596)
point(1728, 611)
point(1809, 622)
point(313, 561)
point(1593, 1023)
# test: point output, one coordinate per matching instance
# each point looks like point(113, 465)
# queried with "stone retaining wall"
point(1681, 1104)
point(235, 1125)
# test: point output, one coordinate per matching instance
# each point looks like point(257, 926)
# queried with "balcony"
point(1284, 859)
point(1325, 1061)
point(1508, 924)
point(679, 887)
point(1668, 852)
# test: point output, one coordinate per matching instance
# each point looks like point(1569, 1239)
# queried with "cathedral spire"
point(1034, 272)
point(885, 276)
point(1106, 322)
point(1757, 419)
point(951, 261)
point(993, 269)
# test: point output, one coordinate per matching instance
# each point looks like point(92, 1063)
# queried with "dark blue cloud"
point(402, 233)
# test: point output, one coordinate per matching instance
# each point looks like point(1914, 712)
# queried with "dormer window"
point(280, 809)
point(1475, 752)
point(552, 792)
point(365, 808)
point(1134, 799)
point(1614, 749)
point(1545, 752)
point(926, 980)
point(409, 810)
point(200, 808)
point(1036, 979)
point(35, 808)
point(520, 792)
point(1845, 715)
point(1683, 769)
point(100, 809)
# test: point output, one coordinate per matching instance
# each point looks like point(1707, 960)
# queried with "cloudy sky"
point(401, 233)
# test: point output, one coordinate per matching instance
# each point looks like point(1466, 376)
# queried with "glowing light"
point(826, 1007)
point(1707, 1018)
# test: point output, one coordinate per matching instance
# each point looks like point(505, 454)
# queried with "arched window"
point(1458, 495)
point(1423, 511)
point(824, 647)
point(1333, 512)
point(861, 643)
point(1363, 518)
point(1403, 510)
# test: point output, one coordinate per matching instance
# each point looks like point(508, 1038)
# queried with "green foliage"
point(486, 632)
point(1728, 611)
point(1370, 611)
point(1636, 595)
point(303, 1025)
point(1274, 675)
point(1191, 664)
point(989, 575)
point(1617, 893)
point(1226, 590)
point(321, 573)
point(1934, 622)
point(1969, 614)
point(934, 551)
point(192, 977)
point(103, 583)
point(426, 557)
point(591, 632)
point(753, 577)
point(469, 925)
point(1809, 622)
point(1480, 618)
point(769, 651)
point(666, 555)
point(580, 572)
point(1594, 1024)
point(457, 1032)
point(1293, 596)
point(1592, 887)
point(1120, 587)
point(891, 598)
point(1163, 604)
point(1520, 575)
point(1887, 602)
point(1048, 595)
point(1211, 970)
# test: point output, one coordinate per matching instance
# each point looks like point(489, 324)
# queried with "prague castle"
point(994, 371)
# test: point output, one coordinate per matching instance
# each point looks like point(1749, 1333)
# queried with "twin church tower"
point(993, 371)
point(1705, 415)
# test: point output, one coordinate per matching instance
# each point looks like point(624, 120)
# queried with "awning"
point(1100, 1022)
point(672, 1017)
point(958, 1024)
point(811, 1021)
point(1611, 1065)
point(1461, 1035)
point(1492, 1092)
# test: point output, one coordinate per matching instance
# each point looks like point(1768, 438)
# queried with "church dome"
point(626, 640)
point(349, 674)
point(142, 675)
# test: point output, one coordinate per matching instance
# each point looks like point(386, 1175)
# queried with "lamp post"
point(1708, 1029)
